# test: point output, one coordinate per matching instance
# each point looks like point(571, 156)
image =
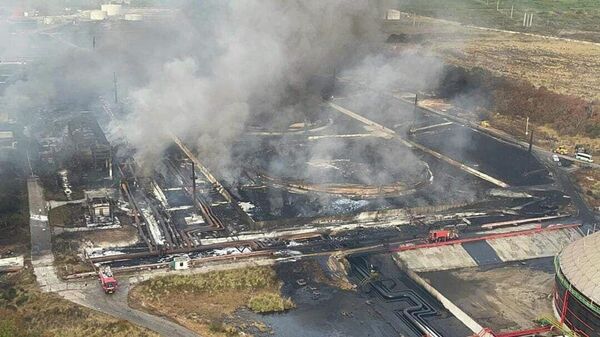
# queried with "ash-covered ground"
point(300, 170)
point(387, 306)
point(507, 296)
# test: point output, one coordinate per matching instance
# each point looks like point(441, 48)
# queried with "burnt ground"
point(504, 161)
point(361, 312)
point(400, 299)
point(449, 186)
point(513, 165)
point(334, 312)
point(503, 297)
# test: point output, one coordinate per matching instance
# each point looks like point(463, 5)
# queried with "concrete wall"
point(508, 249)
point(469, 322)
point(437, 258)
point(533, 246)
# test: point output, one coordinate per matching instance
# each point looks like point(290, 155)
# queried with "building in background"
point(91, 149)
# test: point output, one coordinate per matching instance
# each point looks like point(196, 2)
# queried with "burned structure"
point(91, 149)
point(100, 207)
point(8, 139)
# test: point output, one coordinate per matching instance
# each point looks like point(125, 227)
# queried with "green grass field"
point(566, 18)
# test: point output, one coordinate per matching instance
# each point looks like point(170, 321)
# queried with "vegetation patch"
point(66, 216)
point(14, 217)
point(269, 302)
point(206, 302)
point(25, 311)
point(478, 88)
point(588, 180)
point(564, 18)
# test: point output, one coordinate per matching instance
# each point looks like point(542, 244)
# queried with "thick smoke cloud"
point(254, 62)
point(219, 67)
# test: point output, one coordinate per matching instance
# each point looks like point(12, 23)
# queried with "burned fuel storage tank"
point(577, 291)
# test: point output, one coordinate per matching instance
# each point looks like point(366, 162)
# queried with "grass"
point(566, 68)
point(237, 279)
point(544, 136)
point(589, 183)
point(66, 216)
point(25, 311)
point(566, 18)
point(269, 302)
point(206, 302)
point(14, 213)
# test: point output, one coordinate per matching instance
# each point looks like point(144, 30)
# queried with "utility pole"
point(531, 141)
point(497, 5)
point(414, 120)
point(525, 19)
point(530, 20)
point(193, 185)
point(115, 87)
point(333, 80)
point(512, 8)
point(527, 126)
point(94, 43)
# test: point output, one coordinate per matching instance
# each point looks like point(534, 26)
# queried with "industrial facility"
point(90, 146)
point(289, 168)
point(577, 293)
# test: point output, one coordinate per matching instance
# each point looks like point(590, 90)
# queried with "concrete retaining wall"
point(469, 322)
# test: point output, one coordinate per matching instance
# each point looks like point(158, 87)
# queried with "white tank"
point(111, 9)
point(393, 14)
point(134, 17)
point(97, 15)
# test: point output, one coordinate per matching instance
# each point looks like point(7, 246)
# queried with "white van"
point(584, 156)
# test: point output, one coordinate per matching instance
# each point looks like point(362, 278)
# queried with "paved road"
point(87, 294)
point(41, 239)
point(563, 178)
point(93, 297)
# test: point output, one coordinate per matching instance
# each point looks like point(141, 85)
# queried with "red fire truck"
point(442, 235)
point(107, 280)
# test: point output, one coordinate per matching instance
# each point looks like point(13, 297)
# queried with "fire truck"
point(108, 282)
point(442, 235)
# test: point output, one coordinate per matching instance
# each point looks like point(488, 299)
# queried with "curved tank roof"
point(580, 264)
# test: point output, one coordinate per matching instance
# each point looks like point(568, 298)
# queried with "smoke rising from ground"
point(221, 66)
point(255, 62)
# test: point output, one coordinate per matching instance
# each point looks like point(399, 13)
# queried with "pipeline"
point(135, 208)
point(486, 237)
point(216, 184)
point(199, 203)
point(521, 221)
point(414, 315)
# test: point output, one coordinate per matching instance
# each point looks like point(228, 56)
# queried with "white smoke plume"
point(253, 57)
point(219, 67)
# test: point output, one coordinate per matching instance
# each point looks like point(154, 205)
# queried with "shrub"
point(269, 302)
point(478, 88)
